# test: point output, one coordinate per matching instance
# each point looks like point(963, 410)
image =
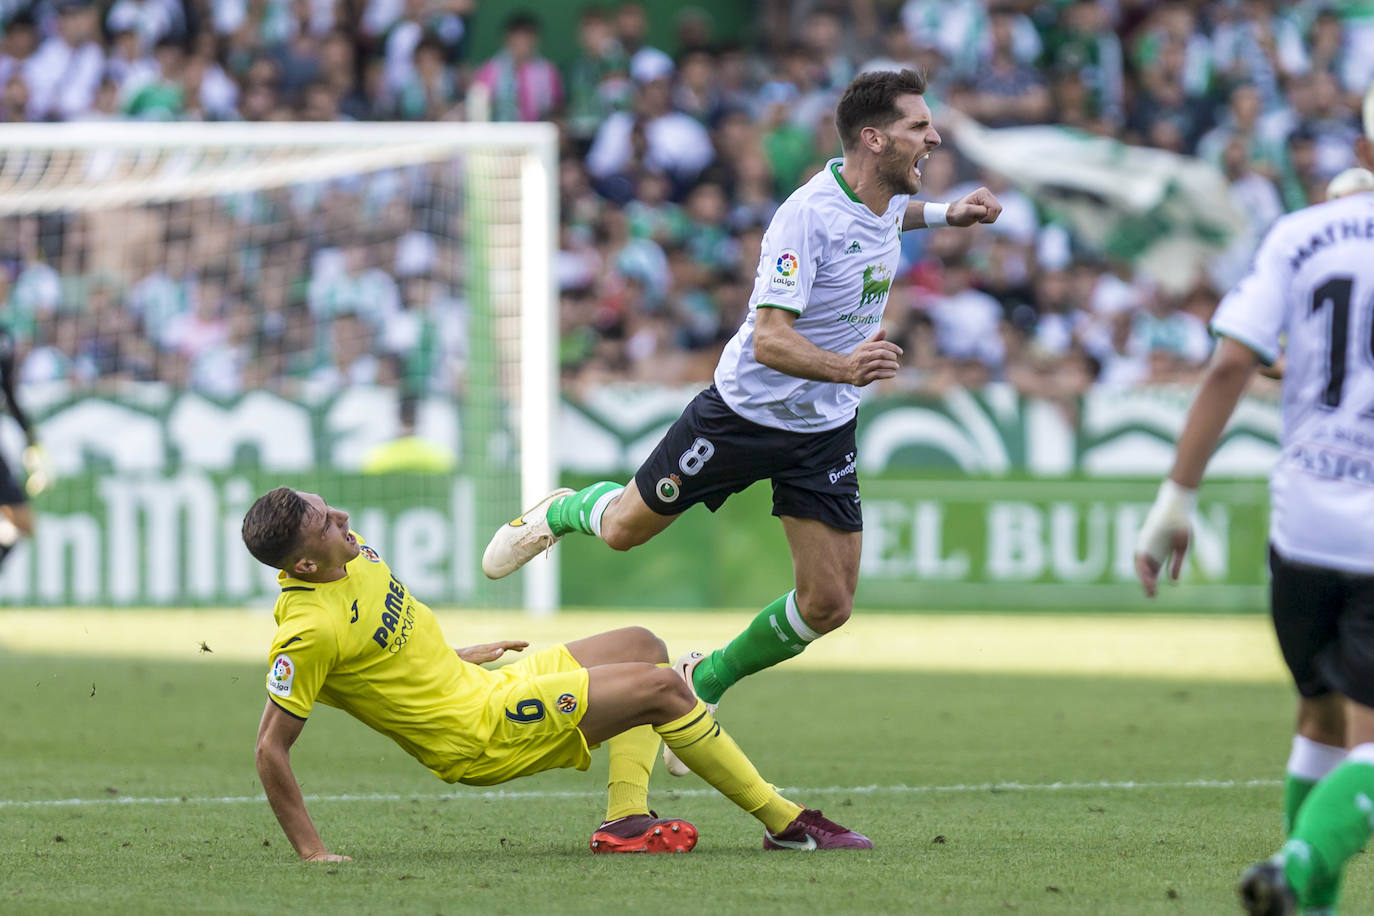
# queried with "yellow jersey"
point(365, 645)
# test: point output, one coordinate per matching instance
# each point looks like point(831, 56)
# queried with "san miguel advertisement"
point(1035, 544)
point(972, 500)
point(150, 494)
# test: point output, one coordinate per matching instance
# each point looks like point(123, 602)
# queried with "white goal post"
point(494, 188)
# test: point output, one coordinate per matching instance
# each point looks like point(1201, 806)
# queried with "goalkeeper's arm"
point(7, 372)
point(1163, 539)
point(36, 461)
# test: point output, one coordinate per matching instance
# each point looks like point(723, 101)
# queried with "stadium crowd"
point(671, 166)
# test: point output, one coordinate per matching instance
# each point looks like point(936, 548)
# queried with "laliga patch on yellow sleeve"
point(280, 677)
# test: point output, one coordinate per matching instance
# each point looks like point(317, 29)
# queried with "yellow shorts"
point(536, 705)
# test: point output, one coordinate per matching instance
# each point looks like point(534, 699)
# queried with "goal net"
point(205, 311)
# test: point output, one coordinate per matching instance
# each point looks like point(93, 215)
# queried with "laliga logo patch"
point(371, 554)
point(784, 276)
point(281, 676)
point(567, 703)
point(669, 488)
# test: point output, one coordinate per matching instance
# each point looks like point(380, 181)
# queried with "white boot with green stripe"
point(536, 530)
point(522, 538)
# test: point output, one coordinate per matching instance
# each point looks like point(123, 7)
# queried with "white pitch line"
point(497, 794)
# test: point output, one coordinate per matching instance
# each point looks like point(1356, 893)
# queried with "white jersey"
point(1313, 280)
point(829, 259)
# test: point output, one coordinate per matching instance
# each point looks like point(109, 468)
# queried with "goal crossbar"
point(89, 166)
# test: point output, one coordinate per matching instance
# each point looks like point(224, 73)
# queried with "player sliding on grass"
point(349, 634)
point(787, 387)
point(1313, 280)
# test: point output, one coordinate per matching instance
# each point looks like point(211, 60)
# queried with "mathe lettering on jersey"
point(1346, 229)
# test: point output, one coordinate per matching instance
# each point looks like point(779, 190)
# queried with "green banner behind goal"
point(205, 311)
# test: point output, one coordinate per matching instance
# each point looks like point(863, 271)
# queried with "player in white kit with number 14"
point(1310, 292)
point(787, 386)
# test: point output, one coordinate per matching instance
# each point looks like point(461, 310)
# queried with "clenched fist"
point(875, 358)
point(980, 206)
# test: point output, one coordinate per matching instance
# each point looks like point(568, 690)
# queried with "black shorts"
point(712, 452)
point(1324, 619)
point(11, 493)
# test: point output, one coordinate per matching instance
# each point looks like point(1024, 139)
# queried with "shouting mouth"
point(916, 166)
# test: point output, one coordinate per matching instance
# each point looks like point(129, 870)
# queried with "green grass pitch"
point(903, 756)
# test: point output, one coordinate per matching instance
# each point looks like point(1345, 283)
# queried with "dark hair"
point(870, 100)
point(272, 527)
point(430, 43)
point(520, 21)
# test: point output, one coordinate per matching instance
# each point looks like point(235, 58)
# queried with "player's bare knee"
point(658, 649)
point(645, 646)
point(618, 541)
point(825, 611)
point(620, 537)
point(672, 697)
point(833, 617)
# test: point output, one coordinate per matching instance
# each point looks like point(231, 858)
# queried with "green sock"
point(775, 635)
point(1322, 893)
point(574, 512)
point(1308, 763)
point(1333, 825)
point(1295, 790)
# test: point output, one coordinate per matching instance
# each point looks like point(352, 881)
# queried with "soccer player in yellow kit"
point(351, 635)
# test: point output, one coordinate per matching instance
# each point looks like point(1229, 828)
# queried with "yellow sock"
point(700, 742)
point(632, 760)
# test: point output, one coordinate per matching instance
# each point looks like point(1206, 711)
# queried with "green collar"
point(844, 186)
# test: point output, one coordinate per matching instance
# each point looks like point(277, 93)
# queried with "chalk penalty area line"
point(499, 794)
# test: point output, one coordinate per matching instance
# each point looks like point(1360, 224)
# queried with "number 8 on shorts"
point(695, 457)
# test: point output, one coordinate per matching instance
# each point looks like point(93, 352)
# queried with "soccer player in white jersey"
point(787, 386)
point(1313, 282)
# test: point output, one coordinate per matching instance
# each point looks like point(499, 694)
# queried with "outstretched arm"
point(490, 651)
point(778, 346)
point(1222, 385)
point(276, 734)
point(1164, 536)
point(980, 206)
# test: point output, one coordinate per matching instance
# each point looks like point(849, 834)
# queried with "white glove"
point(1165, 534)
point(39, 465)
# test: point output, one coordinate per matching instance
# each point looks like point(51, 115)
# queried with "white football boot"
point(684, 666)
point(522, 539)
